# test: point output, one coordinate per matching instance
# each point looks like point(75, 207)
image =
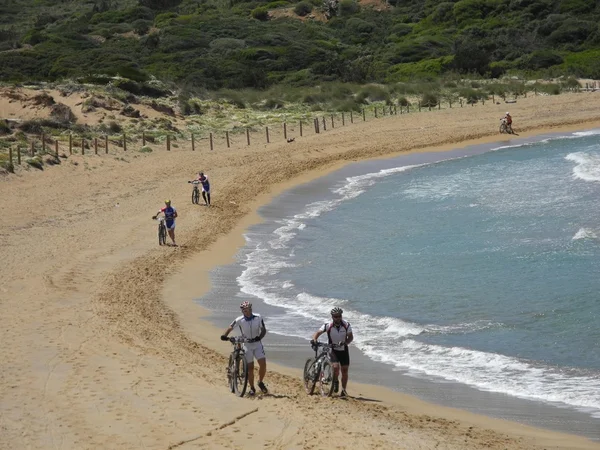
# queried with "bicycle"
point(195, 192)
point(237, 368)
point(319, 369)
point(505, 127)
point(162, 230)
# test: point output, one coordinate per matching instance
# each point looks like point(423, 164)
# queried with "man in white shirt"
point(339, 332)
point(252, 327)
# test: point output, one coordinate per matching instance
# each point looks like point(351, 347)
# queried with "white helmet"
point(507, 114)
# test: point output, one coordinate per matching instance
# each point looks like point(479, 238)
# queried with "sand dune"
point(103, 347)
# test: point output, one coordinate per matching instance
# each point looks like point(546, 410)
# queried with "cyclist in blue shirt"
point(170, 215)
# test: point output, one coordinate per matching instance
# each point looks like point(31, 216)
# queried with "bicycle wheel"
point(502, 128)
point(230, 373)
point(162, 234)
point(326, 379)
point(240, 375)
point(195, 196)
point(309, 376)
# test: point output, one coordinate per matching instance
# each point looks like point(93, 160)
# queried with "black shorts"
point(341, 356)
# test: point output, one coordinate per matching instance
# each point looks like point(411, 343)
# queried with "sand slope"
point(95, 356)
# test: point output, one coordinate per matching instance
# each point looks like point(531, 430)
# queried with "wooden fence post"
point(324, 124)
point(364, 115)
point(43, 143)
point(316, 122)
point(300, 128)
point(10, 159)
point(267, 132)
point(343, 119)
point(70, 144)
point(227, 137)
point(375, 111)
point(56, 148)
point(124, 142)
point(193, 143)
point(285, 131)
point(332, 124)
point(351, 117)
point(19, 155)
point(32, 149)
point(144, 138)
point(168, 142)
point(83, 146)
point(211, 141)
point(248, 135)
point(96, 145)
point(106, 143)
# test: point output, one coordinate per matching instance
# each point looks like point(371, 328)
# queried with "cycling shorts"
point(341, 356)
point(170, 224)
point(254, 350)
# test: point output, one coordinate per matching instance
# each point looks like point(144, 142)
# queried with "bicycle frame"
point(238, 381)
point(319, 369)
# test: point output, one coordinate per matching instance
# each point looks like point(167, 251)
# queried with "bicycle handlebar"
point(238, 340)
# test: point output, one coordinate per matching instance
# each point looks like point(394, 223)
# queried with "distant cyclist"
point(252, 327)
point(170, 215)
point(339, 332)
point(203, 179)
point(508, 119)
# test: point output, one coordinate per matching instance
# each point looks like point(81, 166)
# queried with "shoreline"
point(105, 350)
point(229, 245)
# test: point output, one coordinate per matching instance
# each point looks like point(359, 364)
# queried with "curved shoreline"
point(105, 350)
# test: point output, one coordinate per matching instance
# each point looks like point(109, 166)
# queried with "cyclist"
point(252, 327)
point(170, 215)
point(508, 122)
point(339, 332)
point(203, 179)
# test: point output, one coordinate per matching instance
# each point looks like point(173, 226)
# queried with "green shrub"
point(429, 99)
point(36, 162)
point(423, 70)
point(145, 149)
point(303, 8)
point(260, 13)
point(348, 7)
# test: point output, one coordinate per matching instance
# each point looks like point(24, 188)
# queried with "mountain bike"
point(195, 192)
point(505, 127)
point(162, 230)
point(237, 368)
point(319, 369)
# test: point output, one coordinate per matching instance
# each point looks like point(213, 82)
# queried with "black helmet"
point(335, 311)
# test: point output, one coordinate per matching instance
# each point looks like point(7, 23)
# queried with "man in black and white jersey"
point(339, 332)
point(252, 327)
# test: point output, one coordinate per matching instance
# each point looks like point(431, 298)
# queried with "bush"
point(36, 162)
point(429, 99)
point(303, 8)
point(145, 149)
point(260, 13)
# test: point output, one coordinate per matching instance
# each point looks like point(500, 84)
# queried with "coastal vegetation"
point(228, 65)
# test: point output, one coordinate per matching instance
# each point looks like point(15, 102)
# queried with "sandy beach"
point(103, 346)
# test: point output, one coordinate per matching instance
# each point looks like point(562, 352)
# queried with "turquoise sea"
point(478, 266)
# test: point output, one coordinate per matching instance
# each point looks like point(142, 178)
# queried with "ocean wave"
point(587, 166)
point(493, 372)
point(585, 233)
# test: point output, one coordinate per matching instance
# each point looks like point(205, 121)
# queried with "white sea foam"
point(492, 372)
point(585, 233)
point(587, 165)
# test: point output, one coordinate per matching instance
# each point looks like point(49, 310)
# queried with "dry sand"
point(102, 346)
